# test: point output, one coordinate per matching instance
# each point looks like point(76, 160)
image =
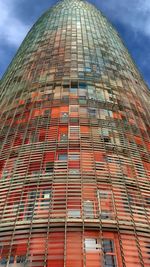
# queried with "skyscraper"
point(75, 146)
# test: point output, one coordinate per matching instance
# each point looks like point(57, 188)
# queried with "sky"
point(130, 17)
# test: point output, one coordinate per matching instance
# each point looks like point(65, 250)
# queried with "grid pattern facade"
point(75, 143)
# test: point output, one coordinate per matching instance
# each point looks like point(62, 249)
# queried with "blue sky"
point(130, 17)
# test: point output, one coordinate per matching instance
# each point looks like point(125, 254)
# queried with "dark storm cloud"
point(131, 18)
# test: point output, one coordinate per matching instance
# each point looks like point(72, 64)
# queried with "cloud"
point(12, 29)
point(135, 13)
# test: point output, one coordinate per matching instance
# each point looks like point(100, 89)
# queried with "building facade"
point(75, 147)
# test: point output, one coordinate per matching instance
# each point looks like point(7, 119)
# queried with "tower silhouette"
point(75, 143)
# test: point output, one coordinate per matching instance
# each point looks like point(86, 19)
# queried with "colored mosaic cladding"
point(75, 147)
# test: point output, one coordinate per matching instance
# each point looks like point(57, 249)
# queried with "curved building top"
point(83, 27)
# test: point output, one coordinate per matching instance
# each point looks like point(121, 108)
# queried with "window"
point(147, 200)
point(74, 84)
point(95, 245)
point(62, 157)
point(5, 174)
point(104, 114)
point(87, 69)
point(63, 137)
point(32, 196)
point(92, 112)
point(36, 173)
point(11, 260)
point(90, 244)
point(73, 90)
point(82, 85)
point(74, 132)
point(105, 214)
point(134, 199)
point(100, 95)
point(74, 156)
point(88, 209)
point(106, 205)
point(64, 114)
point(74, 108)
point(3, 261)
point(33, 137)
point(74, 171)
point(109, 261)
point(109, 253)
point(46, 112)
point(64, 117)
point(74, 213)
point(21, 259)
point(15, 207)
point(46, 196)
point(82, 100)
point(108, 245)
point(49, 167)
point(104, 132)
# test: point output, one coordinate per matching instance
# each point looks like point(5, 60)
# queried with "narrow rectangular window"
point(64, 116)
point(11, 259)
point(74, 132)
point(106, 205)
point(63, 137)
point(88, 209)
point(92, 112)
point(49, 167)
point(32, 196)
point(109, 253)
point(46, 198)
